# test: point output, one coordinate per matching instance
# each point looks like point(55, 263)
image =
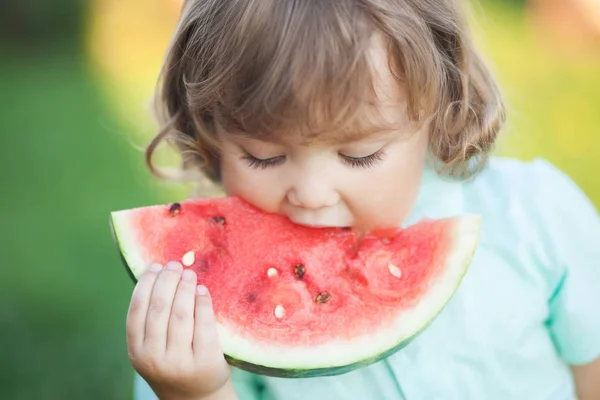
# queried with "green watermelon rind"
point(134, 263)
point(270, 359)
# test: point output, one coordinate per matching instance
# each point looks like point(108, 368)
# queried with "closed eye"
point(262, 163)
point(364, 162)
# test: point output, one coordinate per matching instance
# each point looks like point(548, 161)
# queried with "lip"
point(312, 224)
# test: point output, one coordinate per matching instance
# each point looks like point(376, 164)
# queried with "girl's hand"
point(171, 335)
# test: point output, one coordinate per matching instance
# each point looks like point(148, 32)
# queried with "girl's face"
point(364, 183)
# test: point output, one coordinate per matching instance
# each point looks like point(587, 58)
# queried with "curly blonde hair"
point(266, 67)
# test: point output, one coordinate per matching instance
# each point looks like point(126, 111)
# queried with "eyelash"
point(355, 162)
point(364, 162)
point(254, 162)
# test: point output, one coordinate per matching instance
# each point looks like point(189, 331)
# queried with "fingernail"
point(187, 275)
point(202, 290)
point(155, 267)
point(173, 265)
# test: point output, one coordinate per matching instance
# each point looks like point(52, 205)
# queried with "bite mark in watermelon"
point(294, 301)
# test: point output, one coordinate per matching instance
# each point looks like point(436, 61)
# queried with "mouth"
point(313, 224)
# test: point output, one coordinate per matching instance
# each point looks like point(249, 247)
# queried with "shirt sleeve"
point(246, 385)
point(141, 389)
point(572, 232)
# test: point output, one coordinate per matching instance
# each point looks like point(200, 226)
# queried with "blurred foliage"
point(513, 3)
point(63, 291)
point(552, 94)
point(32, 25)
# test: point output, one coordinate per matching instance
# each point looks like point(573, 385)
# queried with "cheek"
point(253, 186)
point(388, 195)
point(389, 198)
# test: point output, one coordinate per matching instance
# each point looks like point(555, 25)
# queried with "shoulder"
point(538, 205)
point(552, 231)
point(524, 177)
point(538, 188)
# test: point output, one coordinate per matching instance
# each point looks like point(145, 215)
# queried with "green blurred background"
point(75, 77)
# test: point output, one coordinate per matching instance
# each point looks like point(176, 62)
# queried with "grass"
point(63, 294)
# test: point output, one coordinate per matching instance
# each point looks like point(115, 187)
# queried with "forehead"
point(340, 137)
point(309, 113)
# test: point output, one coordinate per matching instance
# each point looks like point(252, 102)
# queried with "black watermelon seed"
point(323, 297)
point(218, 220)
point(251, 297)
point(175, 209)
point(346, 228)
point(299, 271)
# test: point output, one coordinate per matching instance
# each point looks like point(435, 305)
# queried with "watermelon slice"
point(294, 301)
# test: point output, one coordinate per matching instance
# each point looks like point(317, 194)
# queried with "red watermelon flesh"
point(299, 301)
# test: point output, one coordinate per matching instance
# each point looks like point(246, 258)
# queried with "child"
point(366, 113)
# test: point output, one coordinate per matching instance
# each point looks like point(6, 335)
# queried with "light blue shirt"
point(528, 306)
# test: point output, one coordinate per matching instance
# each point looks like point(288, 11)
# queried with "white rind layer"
point(408, 322)
point(123, 232)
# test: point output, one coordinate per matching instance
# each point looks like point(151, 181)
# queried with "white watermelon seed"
point(188, 258)
point(394, 270)
point(271, 272)
point(279, 311)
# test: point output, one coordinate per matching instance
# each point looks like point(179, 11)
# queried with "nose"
point(313, 190)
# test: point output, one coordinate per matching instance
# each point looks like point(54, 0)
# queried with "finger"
point(181, 324)
point(159, 309)
point(206, 342)
point(138, 307)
